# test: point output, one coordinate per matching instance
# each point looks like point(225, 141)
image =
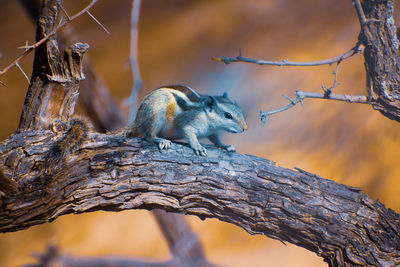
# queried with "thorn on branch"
point(288, 98)
point(98, 22)
point(65, 13)
point(23, 72)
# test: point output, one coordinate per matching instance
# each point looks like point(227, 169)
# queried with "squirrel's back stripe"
point(171, 108)
point(189, 92)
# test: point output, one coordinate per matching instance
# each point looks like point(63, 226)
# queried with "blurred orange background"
point(348, 143)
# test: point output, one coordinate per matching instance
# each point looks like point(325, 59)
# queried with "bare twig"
point(65, 12)
point(303, 95)
point(23, 72)
point(137, 81)
point(360, 12)
point(98, 22)
point(59, 26)
point(240, 58)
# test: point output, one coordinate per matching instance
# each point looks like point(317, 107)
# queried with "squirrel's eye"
point(228, 115)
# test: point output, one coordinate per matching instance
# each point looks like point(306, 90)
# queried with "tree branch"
point(54, 257)
point(287, 63)
point(339, 223)
point(300, 96)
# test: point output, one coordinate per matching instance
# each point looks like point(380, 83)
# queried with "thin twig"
point(65, 12)
point(34, 46)
point(360, 12)
point(137, 81)
point(303, 95)
point(98, 22)
point(240, 58)
point(23, 72)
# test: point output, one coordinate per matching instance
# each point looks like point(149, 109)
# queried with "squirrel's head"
point(224, 114)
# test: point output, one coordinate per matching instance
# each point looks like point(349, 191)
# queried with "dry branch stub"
point(53, 89)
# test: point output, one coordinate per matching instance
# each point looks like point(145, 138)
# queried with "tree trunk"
point(381, 53)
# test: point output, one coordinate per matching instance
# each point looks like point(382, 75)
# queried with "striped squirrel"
point(179, 112)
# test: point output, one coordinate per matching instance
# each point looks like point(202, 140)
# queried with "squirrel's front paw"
point(230, 148)
point(164, 144)
point(200, 150)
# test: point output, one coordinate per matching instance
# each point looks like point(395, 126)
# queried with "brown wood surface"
point(339, 223)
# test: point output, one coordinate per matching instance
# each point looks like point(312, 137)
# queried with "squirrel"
point(178, 112)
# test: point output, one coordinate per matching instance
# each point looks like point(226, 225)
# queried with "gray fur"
point(195, 117)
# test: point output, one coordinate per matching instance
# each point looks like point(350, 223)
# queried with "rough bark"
point(381, 53)
point(339, 223)
point(53, 89)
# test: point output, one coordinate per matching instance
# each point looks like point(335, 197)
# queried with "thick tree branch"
point(337, 222)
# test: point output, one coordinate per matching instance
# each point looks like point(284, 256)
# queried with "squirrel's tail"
point(67, 145)
point(129, 131)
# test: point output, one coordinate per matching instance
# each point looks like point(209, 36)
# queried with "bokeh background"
point(348, 143)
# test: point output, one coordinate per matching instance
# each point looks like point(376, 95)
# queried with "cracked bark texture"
point(54, 85)
point(381, 53)
point(339, 223)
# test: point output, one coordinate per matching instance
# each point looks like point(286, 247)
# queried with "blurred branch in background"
point(53, 257)
point(107, 116)
point(136, 77)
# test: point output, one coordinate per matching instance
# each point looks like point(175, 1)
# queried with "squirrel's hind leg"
point(161, 142)
point(154, 129)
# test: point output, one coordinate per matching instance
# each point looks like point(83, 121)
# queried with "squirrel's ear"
point(225, 95)
point(210, 102)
